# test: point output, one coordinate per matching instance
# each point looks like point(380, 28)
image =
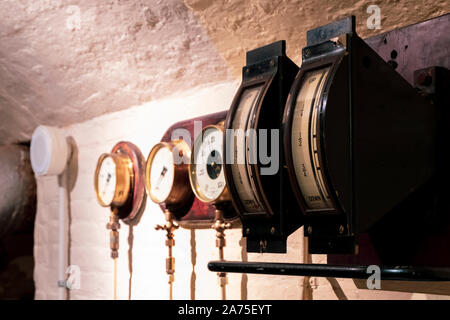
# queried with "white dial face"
point(208, 176)
point(106, 180)
point(161, 174)
point(304, 137)
point(242, 144)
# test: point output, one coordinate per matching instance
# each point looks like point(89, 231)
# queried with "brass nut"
point(114, 254)
point(223, 280)
point(170, 265)
point(220, 242)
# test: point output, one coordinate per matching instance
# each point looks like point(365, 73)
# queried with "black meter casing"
point(374, 137)
point(268, 74)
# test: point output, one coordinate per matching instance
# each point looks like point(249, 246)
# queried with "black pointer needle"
point(161, 176)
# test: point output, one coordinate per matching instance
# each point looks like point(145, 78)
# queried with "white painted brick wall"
point(89, 247)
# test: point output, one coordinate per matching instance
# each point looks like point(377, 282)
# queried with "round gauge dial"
point(113, 179)
point(161, 174)
point(206, 169)
point(167, 172)
point(107, 180)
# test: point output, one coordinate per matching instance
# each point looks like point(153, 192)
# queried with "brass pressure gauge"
point(207, 178)
point(166, 175)
point(206, 172)
point(119, 184)
point(166, 180)
point(113, 179)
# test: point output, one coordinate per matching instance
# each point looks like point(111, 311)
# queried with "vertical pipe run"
point(114, 226)
point(169, 227)
point(115, 279)
point(220, 226)
point(50, 152)
point(62, 236)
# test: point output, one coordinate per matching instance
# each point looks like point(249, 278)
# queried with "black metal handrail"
point(404, 273)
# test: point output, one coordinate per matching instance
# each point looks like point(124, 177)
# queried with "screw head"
point(307, 52)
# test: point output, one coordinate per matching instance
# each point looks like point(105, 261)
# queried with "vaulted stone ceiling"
point(66, 61)
point(57, 69)
point(236, 26)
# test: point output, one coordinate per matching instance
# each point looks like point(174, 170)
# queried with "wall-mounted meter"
point(206, 172)
point(358, 139)
point(207, 179)
point(254, 171)
point(119, 184)
point(199, 212)
point(167, 178)
point(167, 183)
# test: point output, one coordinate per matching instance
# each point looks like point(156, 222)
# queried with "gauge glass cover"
point(207, 175)
point(304, 138)
point(162, 174)
point(243, 146)
point(107, 180)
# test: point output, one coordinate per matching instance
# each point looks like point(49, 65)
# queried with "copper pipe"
point(169, 227)
point(114, 226)
point(115, 279)
point(220, 226)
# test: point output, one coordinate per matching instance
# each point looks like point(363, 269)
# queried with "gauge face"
point(304, 141)
point(206, 172)
point(161, 175)
point(242, 145)
point(113, 179)
point(106, 181)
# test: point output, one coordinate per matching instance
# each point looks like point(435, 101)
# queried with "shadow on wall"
point(439, 288)
point(72, 175)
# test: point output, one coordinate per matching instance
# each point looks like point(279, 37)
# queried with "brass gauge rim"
point(180, 191)
point(124, 175)
point(224, 195)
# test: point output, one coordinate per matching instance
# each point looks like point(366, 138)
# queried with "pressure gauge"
point(206, 172)
point(167, 173)
point(119, 184)
point(113, 178)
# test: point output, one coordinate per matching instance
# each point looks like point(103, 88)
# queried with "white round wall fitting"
point(49, 151)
